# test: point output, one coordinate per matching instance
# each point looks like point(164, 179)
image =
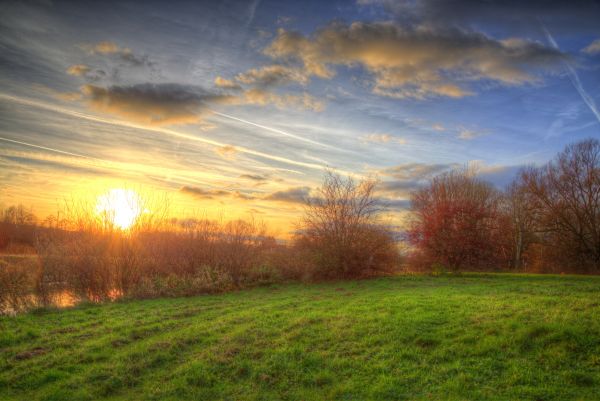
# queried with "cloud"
point(105, 48)
point(123, 53)
point(228, 152)
point(467, 134)
point(400, 180)
point(395, 204)
point(592, 48)
point(201, 193)
point(420, 171)
point(416, 61)
point(152, 104)
point(283, 20)
point(290, 195)
point(253, 177)
point(260, 81)
point(383, 138)
point(78, 70)
point(513, 15)
point(263, 97)
point(226, 83)
point(272, 75)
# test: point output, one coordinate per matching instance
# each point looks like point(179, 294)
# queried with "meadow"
point(410, 337)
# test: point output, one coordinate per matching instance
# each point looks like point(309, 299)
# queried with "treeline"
point(547, 220)
point(81, 257)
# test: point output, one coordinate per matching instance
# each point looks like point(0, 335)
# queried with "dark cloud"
point(417, 171)
point(419, 61)
point(153, 104)
point(272, 75)
point(400, 180)
point(516, 15)
point(395, 204)
point(253, 177)
point(290, 195)
point(202, 193)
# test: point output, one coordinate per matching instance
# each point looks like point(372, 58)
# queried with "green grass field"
point(469, 337)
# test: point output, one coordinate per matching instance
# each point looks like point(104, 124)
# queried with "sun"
point(119, 207)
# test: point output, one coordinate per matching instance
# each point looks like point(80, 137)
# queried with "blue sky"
point(235, 108)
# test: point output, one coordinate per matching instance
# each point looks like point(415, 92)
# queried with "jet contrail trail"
point(170, 132)
point(272, 129)
point(574, 78)
point(52, 150)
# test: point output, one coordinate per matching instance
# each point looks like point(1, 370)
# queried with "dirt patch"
point(119, 343)
point(31, 353)
point(160, 346)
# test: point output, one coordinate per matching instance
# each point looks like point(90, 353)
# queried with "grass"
point(469, 337)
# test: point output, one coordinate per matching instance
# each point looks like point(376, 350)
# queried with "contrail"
point(574, 78)
point(170, 132)
point(278, 131)
point(252, 11)
point(52, 150)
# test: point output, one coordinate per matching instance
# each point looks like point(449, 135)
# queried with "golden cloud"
point(78, 70)
point(123, 53)
point(263, 97)
point(227, 152)
point(107, 48)
point(226, 83)
point(416, 62)
point(272, 75)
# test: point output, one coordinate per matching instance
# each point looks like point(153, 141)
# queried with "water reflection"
point(57, 299)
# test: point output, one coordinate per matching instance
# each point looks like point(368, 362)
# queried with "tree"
point(18, 215)
point(456, 222)
point(565, 195)
point(521, 222)
point(342, 232)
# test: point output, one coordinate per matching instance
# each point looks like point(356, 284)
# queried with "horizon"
point(238, 108)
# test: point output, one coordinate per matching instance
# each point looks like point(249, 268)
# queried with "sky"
point(236, 108)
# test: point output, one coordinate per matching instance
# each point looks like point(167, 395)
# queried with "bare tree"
point(521, 222)
point(342, 231)
point(18, 215)
point(565, 195)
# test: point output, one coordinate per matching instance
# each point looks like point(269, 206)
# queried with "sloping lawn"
point(469, 337)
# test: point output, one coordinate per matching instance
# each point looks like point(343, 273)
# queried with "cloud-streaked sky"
point(236, 107)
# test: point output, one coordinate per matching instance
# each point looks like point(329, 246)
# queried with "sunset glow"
point(300, 200)
point(120, 207)
point(238, 109)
